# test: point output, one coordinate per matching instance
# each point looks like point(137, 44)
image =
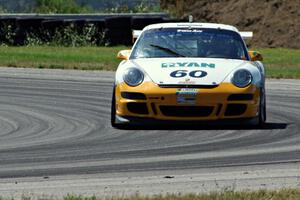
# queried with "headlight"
point(242, 78)
point(133, 76)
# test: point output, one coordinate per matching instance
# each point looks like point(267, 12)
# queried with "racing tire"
point(259, 121)
point(262, 109)
point(113, 110)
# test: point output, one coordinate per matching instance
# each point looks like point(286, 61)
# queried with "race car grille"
point(235, 109)
point(137, 108)
point(133, 95)
point(188, 86)
point(186, 111)
point(240, 97)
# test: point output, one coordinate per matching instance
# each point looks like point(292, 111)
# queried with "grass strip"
point(279, 63)
point(83, 58)
point(283, 194)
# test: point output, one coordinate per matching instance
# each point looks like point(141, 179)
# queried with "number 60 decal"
point(183, 73)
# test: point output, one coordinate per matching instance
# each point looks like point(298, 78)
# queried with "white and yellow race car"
point(189, 72)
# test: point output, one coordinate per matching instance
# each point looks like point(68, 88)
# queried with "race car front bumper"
point(150, 101)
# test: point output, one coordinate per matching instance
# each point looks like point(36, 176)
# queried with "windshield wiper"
point(167, 50)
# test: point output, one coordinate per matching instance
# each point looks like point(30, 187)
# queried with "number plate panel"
point(186, 95)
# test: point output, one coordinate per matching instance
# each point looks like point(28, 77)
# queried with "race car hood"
point(191, 71)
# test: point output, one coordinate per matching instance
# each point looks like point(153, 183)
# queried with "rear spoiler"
point(135, 35)
point(246, 35)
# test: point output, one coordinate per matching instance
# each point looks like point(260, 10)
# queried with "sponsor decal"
point(186, 95)
point(187, 91)
point(188, 64)
point(189, 31)
point(187, 82)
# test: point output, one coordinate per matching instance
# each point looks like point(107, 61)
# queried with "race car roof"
point(191, 25)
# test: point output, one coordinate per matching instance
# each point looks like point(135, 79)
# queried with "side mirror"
point(124, 54)
point(255, 56)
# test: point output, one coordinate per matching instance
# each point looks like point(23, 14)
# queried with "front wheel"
point(113, 109)
point(262, 108)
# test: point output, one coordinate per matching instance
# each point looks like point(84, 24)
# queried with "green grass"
point(280, 63)
point(84, 58)
point(227, 195)
point(284, 194)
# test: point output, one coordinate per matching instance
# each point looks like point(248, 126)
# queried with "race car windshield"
point(180, 42)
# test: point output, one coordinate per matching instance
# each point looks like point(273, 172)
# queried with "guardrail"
point(81, 16)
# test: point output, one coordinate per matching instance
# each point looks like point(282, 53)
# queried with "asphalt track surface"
point(56, 123)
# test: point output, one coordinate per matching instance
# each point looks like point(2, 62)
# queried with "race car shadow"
point(266, 126)
point(274, 126)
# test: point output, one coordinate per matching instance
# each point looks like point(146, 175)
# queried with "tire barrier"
point(138, 23)
point(118, 31)
point(106, 29)
point(30, 27)
point(8, 28)
point(99, 25)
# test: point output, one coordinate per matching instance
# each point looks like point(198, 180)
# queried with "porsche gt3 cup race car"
point(189, 72)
